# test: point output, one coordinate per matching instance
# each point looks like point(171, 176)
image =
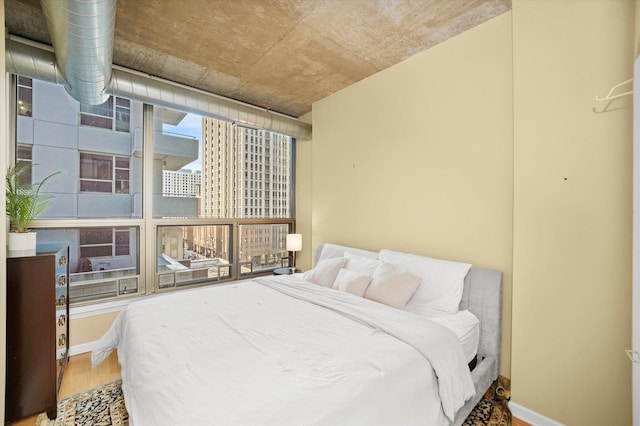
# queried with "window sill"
point(85, 311)
point(117, 305)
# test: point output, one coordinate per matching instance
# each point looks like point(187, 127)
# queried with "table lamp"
point(294, 244)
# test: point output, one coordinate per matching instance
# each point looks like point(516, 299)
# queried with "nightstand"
point(285, 271)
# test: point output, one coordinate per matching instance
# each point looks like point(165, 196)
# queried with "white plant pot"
point(21, 243)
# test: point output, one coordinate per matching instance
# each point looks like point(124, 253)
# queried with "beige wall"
point(89, 329)
point(303, 198)
point(418, 157)
point(462, 152)
point(572, 210)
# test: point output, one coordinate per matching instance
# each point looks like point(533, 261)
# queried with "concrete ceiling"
point(277, 54)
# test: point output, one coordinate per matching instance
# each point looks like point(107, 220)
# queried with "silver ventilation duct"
point(163, 93)
point(36, 60)
point(33, 60)
point(82, 34)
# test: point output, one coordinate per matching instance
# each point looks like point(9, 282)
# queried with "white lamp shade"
point(294, 242)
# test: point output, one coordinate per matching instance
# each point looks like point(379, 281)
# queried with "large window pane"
point(216, 169)
point(103, 262)
point(176, 164)
point(193, 254)
point(263, 247)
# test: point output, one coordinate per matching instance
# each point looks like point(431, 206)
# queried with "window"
point(122, 175)
point(103, 115)
point(123, 114)
point(219, 178)
point(193, 254)
point(97, 173)
point(24, 155)
point(103, 262)
point(263, 247)
point(25, 96)
point(95, 242)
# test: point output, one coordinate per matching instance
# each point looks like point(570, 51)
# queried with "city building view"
point(202, 168)
point(181, 183)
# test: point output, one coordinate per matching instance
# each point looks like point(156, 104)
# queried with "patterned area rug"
point(102, 406)
point(489, 412)
point(492, 409)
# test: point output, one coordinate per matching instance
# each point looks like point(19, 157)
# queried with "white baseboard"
point(530, 416)
point(82, 348)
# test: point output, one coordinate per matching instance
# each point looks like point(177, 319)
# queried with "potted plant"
point(24, 203)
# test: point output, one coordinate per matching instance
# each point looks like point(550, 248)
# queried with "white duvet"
point(281, 351)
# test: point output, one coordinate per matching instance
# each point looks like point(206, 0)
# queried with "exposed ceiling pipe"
point(82, 33)
point(32, 59)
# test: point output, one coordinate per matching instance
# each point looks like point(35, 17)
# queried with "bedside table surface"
point(282, 271)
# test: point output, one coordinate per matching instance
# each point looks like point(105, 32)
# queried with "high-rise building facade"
point(181, 183)
point(245, 172)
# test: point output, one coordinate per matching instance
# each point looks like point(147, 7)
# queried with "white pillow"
point(325, 272)
point(352, 282)
point(442, 281)
point(392, 286)
point(333, 250)
point(361, 264)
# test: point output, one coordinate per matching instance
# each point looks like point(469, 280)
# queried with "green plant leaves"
point(24, 201)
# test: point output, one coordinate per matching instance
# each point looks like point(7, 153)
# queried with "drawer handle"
point(62, 319)
point(62, 260)
point(62, 280)
point(62, 340)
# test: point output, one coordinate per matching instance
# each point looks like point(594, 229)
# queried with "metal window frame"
point(113, 117)
point(147, 225)
point(113, 180)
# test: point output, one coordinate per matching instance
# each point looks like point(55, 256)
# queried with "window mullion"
point(148, 237)
point(113, 241)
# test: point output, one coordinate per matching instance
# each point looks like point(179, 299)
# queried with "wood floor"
point(518, 422)
point(80, 377)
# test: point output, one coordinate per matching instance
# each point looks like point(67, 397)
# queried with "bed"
point(308, 349)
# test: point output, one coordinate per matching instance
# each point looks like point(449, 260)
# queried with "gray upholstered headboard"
point(482, 295)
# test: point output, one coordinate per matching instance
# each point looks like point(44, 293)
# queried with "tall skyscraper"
point(245, 172)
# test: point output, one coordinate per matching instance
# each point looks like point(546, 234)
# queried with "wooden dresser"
point(37, 331)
